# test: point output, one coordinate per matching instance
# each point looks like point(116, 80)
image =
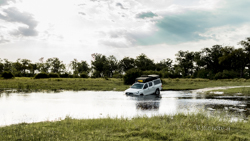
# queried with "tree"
point(17, 67)
point(165, 64)
point(131, 75)
point(209, 59)
point(43, 67)
point(100, 65)
point(1, 66)
point(143, 63)
point(56, 66)
point(185, 60)
point(83, 67)
point(74, 65)
point(126, 63)
point(112, 65)
point(25, 65)
point(246, 49)
point(7, 66)
point(233, 59)
point(79, 67)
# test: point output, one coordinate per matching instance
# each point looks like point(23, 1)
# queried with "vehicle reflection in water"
point(147, 102)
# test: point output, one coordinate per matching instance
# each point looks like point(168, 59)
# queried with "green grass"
point(243, 91)
point(178, 127)
point(54, 84)
point(192, 84)
point(100, 84)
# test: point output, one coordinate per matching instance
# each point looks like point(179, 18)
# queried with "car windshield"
point(137, 86)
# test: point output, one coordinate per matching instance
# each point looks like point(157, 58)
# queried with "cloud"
point(81, 13)
point(190, 24)
point(14, 15)
point(144, 15)
point(2, 40)
point(5, 2)
point(120, 5)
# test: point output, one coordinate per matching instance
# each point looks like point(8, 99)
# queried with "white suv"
point(146, 85)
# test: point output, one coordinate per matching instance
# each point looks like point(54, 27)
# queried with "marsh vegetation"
point(177, 127)
point(111, 84)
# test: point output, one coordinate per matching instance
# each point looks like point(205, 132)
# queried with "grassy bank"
point(178, 127)
point(30, 84)
point(243, 91)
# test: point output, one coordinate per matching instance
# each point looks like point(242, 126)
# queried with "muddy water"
point(35, 107)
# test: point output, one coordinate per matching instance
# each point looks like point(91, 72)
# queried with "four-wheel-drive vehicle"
point(146, 85)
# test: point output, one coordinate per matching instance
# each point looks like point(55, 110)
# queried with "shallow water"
point(35, 107)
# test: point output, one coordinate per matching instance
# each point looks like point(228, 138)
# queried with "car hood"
point(132, 90)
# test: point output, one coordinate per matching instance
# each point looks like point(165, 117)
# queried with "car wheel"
point(157, 92)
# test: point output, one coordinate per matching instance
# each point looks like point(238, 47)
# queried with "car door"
point(146, 89)
point(151, 87)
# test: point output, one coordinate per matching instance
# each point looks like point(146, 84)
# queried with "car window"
point(145, 86)
point(150, 84)
point(157, 82)
point(137, 86)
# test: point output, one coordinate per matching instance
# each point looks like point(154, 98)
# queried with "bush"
point(202, 73)
point(229, 74)
point(218, 75)
point(84, 75)
point(226, 75)
point(131, 75)
point(7, 75)
point(41, 75)
point(117, 75)
point(64, 75)
point(53, 75)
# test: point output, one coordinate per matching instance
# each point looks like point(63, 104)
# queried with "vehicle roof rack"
point(146, 78)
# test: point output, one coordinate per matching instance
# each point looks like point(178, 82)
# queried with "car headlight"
point(137, 92)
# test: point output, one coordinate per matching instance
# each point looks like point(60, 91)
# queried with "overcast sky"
point(68, 29)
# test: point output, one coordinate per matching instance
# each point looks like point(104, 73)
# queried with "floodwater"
point(39, 106)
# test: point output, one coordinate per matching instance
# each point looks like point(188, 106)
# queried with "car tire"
point(157, 92)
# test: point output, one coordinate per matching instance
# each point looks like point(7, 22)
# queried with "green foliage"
point(7, 75)
point(143, 63)
point(218, 75)
point(117, 75)
point(226, 75)
point(84, 75)
point(131, 75)
point(64, 75)
point(202, 73)
point(41, 75)
point(53, 75)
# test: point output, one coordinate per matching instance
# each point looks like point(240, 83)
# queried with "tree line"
point(216, 62)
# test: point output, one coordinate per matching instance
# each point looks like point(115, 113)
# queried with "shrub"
point(131, 75)
point(229, 74)
point(202, 73)
point(218, 75)
point(41, 75)
point(53, 75)
point(84, 75)
point(7, 75)
point(117, 75)
point(64, 75)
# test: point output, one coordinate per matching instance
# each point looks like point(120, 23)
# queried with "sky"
point(31, 29)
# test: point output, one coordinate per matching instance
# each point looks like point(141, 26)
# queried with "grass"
point(243, 91)
point(54, 84)
point(192, 84)
point(100, 84)
point(177, 127)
